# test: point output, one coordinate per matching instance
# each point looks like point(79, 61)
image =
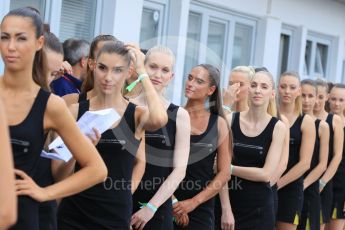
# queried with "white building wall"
point(326, 17)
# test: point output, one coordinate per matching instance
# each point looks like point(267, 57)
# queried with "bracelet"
point(134, 83)
point(174, 201)
point(322, 183)
point(231, 169)
point(227, 108)
point(152, 207)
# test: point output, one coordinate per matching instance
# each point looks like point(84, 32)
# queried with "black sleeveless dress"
point(82, 97)
point(310, 218)
point(290, 197)
point(107, 205)
point(251, 202)
point(339, 189)
point(48, 209)
point(203, 149)
point(159, 157)
point(27, 140)
point(327, 192)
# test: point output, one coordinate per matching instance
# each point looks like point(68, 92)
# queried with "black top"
point(250, 152)
point(203, 149)
point(107, 205)
point(82, 97)
point(316, 153)
point(159, 151)
point(329, 121)
point(27, 140)
point(295, 143)
point(339, 178)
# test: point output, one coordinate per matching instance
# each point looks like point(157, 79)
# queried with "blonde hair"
point(272, 105)
point(298, 100)
point(161, 49)
point(248, 70)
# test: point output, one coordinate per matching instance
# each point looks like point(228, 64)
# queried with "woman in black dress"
point(210, 137)
point(302, 139)
point(108, 205)
point(337, 106)
point(167, 149)
point(310, 218)
point(336, 138)
point(258, 143)
point(32, 112)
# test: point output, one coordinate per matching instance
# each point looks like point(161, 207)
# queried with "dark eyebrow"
point(101, 64)
point(17, 34)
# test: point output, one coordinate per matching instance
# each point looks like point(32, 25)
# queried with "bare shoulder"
point(336, 120)
point(323, 125)
point(182, 115)
point(280, 128)
point(56, 111)
point(228, 118)
point(307, 122)
point(222, 123)
point(55, 105)
point(285, 120)
point(71, 98)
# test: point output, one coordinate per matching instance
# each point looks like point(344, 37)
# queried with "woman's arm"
point(222, 176)
point(316, 173)
point(337, 149)
point(61, 169)
point(227, 218)
point(8, 199)
point(272, 159)
point(93, 169)
point(181, 153)
point(305, 153)
point(155, 116)
point(284, 158)
point(139, 165)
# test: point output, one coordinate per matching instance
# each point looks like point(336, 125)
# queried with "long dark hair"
point(39, 70)
point(88, 82)
point(215, 100)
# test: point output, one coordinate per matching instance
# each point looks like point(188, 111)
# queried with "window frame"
point(162, 6)
point(208, 13)
point(315, 39)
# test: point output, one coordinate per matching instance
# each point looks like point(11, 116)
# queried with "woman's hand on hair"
point(137, 57)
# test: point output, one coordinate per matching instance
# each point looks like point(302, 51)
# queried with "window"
point(321, 59)
point(78, 19)
point(242, 49)
point(283, 53)
point(152, 23)
point(38, 4)
point(307, 58)
point(317, 55)
point(215, 43)
point(219, 37)
point(193, 42)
